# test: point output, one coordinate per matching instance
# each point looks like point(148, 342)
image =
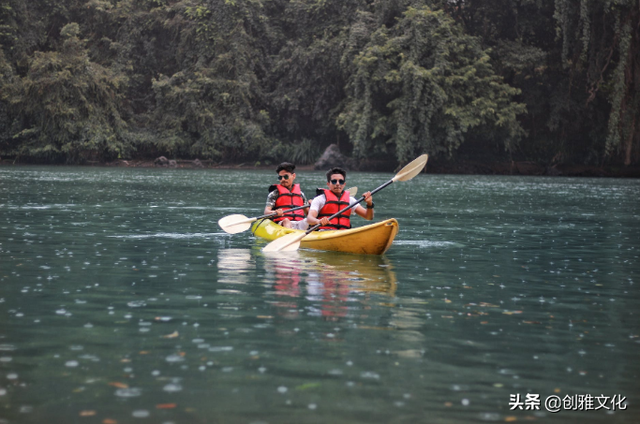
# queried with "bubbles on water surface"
point(172, 387)
point(490, 416)
point(140, 413)
point(221, 349)
point(128, 392)
point(370, 375)
point(174, 358)
point(426, 244)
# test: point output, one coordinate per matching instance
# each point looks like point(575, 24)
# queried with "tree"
point(420, 86)
point(67, 107)
point(307, 80)
point(214, 106)
point(602, 40)
point(577, 64)
point(236, 80)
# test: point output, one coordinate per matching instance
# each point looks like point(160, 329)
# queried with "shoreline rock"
point(333, 158)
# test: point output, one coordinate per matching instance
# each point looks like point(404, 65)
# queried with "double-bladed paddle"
point(291, 242)
point(238, 223)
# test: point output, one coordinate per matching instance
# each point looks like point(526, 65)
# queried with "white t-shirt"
point(318, 203)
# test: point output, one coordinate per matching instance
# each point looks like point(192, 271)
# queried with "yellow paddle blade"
point(412, 169)
point(353, 191)
point(288, 243)
point(234, 224)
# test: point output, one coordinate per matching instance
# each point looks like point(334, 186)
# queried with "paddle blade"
point(288, 243)
point(352, 191)
point(234, 224)
point(412, 169)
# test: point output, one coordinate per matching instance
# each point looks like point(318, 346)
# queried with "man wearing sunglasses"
point(329, 202)
point(287, 195)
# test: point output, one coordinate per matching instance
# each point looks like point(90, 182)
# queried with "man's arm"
point(368, 212)
point(271, 203)
point(305, 201)
point(268, 210)
point(312, 218)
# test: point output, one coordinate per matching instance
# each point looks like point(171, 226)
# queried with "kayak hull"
point(374, 239)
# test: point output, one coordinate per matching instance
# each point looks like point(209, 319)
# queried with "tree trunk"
point(629, 147)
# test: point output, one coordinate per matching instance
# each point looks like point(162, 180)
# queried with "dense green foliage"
point(232, 80)
point(577, 64)
point(421, 86)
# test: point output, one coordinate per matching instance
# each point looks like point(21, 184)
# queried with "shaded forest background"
point(547, 81)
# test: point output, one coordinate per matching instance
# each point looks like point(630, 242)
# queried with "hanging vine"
point(614, 58)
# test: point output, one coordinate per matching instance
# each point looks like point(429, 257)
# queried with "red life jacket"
point(287, 200)
point(332, 206)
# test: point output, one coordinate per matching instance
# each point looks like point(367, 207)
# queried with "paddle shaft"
point(315, 227)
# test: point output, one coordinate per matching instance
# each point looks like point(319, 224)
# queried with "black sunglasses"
point(285, 176)
point(337, 182)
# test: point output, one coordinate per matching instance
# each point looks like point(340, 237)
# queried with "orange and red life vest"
point(287, 200)
point(334, 205)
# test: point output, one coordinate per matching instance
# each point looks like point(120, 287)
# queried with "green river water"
point(122, 301)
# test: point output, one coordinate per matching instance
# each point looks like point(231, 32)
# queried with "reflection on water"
point(235, 266)
point(329, 281)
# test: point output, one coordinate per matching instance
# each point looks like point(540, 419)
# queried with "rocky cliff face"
point(332, 158)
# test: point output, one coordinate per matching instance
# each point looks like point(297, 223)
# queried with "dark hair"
point(336, 170)
point(285, 166)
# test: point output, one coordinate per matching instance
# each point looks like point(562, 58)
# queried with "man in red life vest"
point(287, 195)
point(329, 202)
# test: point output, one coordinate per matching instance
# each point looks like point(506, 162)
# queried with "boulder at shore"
point(332, 158)
point(165, 163)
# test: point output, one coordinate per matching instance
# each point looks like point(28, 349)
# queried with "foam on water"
point(426, 244)
point(176, 236)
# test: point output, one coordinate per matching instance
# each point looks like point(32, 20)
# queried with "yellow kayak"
point(374, 239)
